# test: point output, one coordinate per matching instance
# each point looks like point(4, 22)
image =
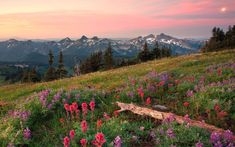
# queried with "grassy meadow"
point(81, 111)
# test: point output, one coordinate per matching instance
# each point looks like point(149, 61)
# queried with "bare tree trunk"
point(162, 115)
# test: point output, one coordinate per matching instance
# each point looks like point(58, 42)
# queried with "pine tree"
point(61, 71)
point(145, 54)
point(33, 75)
point(25, 76)
point(108, 57)
point(50, 74)
point(156, 52)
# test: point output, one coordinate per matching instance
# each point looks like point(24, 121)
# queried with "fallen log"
point(163, 115)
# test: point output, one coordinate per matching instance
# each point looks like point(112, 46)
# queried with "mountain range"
point(29, 51)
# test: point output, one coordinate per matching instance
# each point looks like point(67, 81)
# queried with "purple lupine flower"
point(43, 97)
point(152, 74)
point(169, 119)
point(228, 136)
point(23, 115)
point(27, 133)
point(199, 144)
point(117, 141)
point(164, 77)
point(161, 131)
point(218, 144)
point(215, 137)
point(189, 93)
point(130, 94)
point(151, 88)
point(49, 106)
point(187, 119)
point(10, 145)
point(152, 134)
point(170, 133)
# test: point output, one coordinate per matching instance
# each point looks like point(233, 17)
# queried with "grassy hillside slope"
point(200, 85)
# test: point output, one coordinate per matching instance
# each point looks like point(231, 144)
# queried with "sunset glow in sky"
point(43, 19)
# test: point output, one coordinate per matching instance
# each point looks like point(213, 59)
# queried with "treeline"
point(97, 61)
point(52, 72)
point(104, 61)
point(220, 40)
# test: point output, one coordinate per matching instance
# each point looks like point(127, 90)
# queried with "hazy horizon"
point(31, 19)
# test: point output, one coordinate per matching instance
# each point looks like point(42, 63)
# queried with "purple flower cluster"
point(199, 144)
point(170, 133)
point(27, 133)
point(55, 99)
point(152, 75)
point(164, 77)
point(117, 141)
point(43, 97)
point(220, 140)
point(23, 115)
point(169, 119)
point(130, 94)
point(189, 93)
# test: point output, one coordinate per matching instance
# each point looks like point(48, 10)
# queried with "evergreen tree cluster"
point(31, 76)
point(156, 53)
point(98, 61)
point(52, 73)
point(220, 40)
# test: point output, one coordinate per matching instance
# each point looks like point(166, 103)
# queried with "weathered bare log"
point(162, 115)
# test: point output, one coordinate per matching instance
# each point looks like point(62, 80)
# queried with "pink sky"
point(34, 19)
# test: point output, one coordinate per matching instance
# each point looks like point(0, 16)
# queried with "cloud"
point(124, 18)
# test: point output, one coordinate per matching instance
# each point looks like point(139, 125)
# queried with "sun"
point(223, 9)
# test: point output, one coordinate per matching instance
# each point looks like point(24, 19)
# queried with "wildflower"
point(71, 109)
point(219, 71)
point(222, 114)
point(92, 105)
point(84, 126)
point(148, 101)
point(116, 113)
point(186, 104)
point(84, 108)
point(99, 123)
point(152, 134)
point(27, 133)
point(161, 83)
point(106, 116)
point(187, 119)
point(170, 133)
point(83, 142)
point(117, 142)
point(189, 93)
point(61, 120)
point(66, 107)
point(217, 107)
point(77, 113)
point(75, 106)
point(130, 94)
point(72, 133)
point(215, 137)
point(118, 97)
point(228, 135)
point(66, 141)
point(99, 140)
point(199, 144)
point(169, 119)
point(142, 128)
point(161, 131)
